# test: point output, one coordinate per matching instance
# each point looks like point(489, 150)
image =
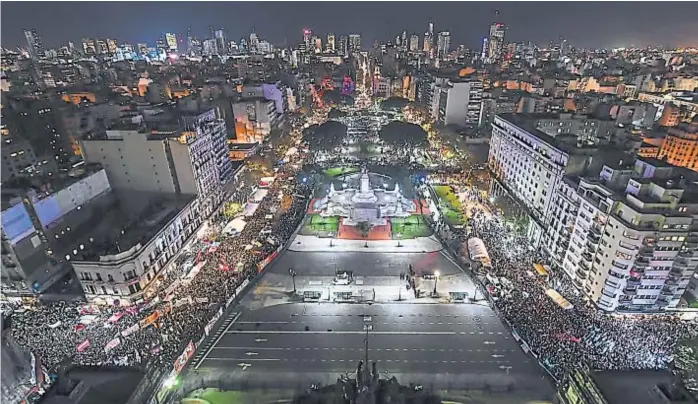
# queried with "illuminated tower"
point(414, 43)
point(443, 45)
point(331, 47)
point(35, 46)
point(496, 42)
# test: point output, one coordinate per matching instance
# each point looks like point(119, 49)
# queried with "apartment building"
point(680, 146)
point(460, 103)
point(530, 164)
point(254, 119)
point(41, 225)
point(627, 237)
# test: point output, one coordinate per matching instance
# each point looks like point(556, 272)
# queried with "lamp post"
point(293, 277)
point(436, 280)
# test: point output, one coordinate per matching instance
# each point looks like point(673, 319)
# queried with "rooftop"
point(527, 122)
point(636, 387)
point(132, 218)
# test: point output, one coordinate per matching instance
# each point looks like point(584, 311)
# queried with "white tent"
point(259, 195)
point(478, 251)
point(235, 226)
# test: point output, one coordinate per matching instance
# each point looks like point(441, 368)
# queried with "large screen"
point(16, 223)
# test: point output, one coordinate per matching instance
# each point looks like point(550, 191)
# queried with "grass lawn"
point(409, 227)
point(337, 171)
point(215, 396)
point(317, 223)
point(450, 205)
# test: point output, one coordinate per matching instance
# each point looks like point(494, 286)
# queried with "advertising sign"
point(16, 223)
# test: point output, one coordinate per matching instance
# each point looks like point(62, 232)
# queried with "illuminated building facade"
point(354, 43)
point(34, 44)
point(171, 40)
point(496, 42)
point(680, 147)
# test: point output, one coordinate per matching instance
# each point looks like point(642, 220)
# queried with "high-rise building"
point(112, 46)
point(210, 47)
point(443, 45)
point(414, 43)
point(619, 252)
point(171, 40)
point(317, 44)
point(496, 42)
point(221, 41)
point(343, 46)
point(306, 38)
point(142, 48)
point(403, 40)
point(331, 46)
point(460, 103)
point(89, 46)
point(354, 43)
point(254, 43)
point(34, 44)
point(102, 47)
point(680, 146)
point(429, 45)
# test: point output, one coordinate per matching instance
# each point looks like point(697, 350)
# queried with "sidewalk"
point(315, 244)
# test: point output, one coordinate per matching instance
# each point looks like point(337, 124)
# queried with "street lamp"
point(293, 277)
point(436, 280)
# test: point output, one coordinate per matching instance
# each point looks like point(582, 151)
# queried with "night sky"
point(583, 24)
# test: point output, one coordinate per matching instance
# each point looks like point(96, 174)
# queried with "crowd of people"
point(188, 297)
point(578, 337)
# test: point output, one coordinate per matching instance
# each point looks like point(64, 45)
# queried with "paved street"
point(264, 342)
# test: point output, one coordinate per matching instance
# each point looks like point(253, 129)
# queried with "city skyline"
point(614, 25)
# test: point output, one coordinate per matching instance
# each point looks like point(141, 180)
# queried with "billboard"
point(66, 200)
point(182, 360)
point(16, 223)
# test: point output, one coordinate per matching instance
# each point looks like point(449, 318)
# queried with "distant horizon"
point(601, 26)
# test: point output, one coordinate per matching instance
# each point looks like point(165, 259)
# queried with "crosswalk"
point(212, 340)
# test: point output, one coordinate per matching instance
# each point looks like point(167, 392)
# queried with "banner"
point(209, 326)
point(567, 337)
point(56, 324)
point(172, 288)
point(201, 299)
point(132, 309)
point(242, 287)
point(88, 309)
point(152, 303)
point(83, 345)
point(183, 301)
point(150, 319)
point(116, 317)
point(261, 265)
point(130, 330)
point(182, 360)
point(88, 319)
point(112, 344)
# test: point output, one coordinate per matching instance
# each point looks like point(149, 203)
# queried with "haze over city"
point(584, 24)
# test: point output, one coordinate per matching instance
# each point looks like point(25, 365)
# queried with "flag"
point(83, 345)
point(112, 344)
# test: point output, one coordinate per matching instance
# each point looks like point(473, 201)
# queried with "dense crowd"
point(188, 297)
point(581, 336)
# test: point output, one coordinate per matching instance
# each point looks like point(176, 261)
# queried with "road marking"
point(260, 340)
point(256, 347)
point(217, 341)
point(262, 322)
point(497, 356)
point(246, 359)
point(251, 353)
point(344, 332)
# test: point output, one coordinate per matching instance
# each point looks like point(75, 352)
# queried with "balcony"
point(587, 257)
point(581, 274)
point(614, 277)
point(593, 238)
point(649, 242)
point(595, 229)
point(646, 253)
point(663, 302)
point(676, 272)
point(671, 282)
point(630, 292)
point(632, 281)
